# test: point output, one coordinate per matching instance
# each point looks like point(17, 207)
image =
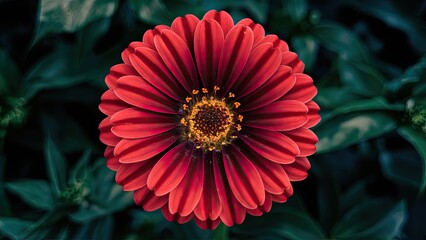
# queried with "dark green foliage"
point(367, 58)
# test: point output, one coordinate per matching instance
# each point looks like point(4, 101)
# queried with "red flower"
point(208, 120)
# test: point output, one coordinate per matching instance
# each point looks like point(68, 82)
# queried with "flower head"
point(209, 120)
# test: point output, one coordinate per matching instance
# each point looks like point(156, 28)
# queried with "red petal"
point(271, 145)
point(266, 207)
point(222, 17)
point(313, 114)
point(139, 93)
point(111, 104)
point(298, 170)
point(209, 205)
point(305, 139)
point(176, 55)
point(148, 36)
point(175, 217)
point(208, 46)
point(292, 60)
point(275, 87)
point(235, 52)
point(106, 136)
point(133, 176)
point(130, 151)
point(111, 160)
point(151, 67)
point(185, 197)
point(207, 224)
point(276, 41)
point(148, 200)
point(170, 169)
point(278, 116)
point(116, 72)
point(263, 62)
point(273, 176)
point(283, 197)
point(244, 180)
point(138, 123)
point(185, 27)
point(130, 50)
point(232, 211)
point(258, 31)
point(303, 90)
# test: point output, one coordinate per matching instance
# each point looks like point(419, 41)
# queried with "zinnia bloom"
point(209, 120)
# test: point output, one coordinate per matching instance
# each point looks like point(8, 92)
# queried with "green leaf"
point(418, 140)
point(10, 75)
point(36, 193)
point(80, 169)
point(373, 219)
point(89, 213)
point(152, 11)
point(346, 130)
point(89, 35)
point(103, 228)
point(13, 227)
point(70, 16)
point(392, 13)
point(334, 97)
point(378, 103)
point(360, 78)
point(295, 9)
point(340, 40)
point(56, 165)
point(307, 48)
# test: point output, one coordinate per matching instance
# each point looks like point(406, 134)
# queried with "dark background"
point(367, 59)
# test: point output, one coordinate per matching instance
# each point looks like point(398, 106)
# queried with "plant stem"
point(221, 232)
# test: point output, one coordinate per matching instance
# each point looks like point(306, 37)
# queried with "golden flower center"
point(209, 122)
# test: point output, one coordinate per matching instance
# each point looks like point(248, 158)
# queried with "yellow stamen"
point(237, 104)
point(195, 92)
point(240, 118)
point(231, 95)
point(183, 121)
point(238, 127)
point(184, 106)
point(188, 99)
point(204, 90)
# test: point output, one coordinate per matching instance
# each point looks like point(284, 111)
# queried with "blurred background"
point(367, 58)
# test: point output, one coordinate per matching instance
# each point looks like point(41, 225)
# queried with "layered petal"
point(148, 200)
point(266, 207)
point(151, 67)
point(116, 72)
point(106, 136)
point(274, 39)
point(263, 62)
point(298, 170)
point(278, 116)
point(176, 55)
point(258, 31)
point(125, 55)
point(133, 176)
point(303, 90)
point(111, 104)
point(134, 123)
point(244, 180)
point(292, 60)
point(139, 93)
point(148, 36)
point(232, 210)
point(271, 145)
point(222, 17)
point(175, 217)
point(305, 139)
point(170, 169)
point(274, 88)
point(185, 28)
point(136, 150)
point(208, 45)
point(209, 206)
point(207, 224)
point(111, 160)
point(235, 53)
point(273, 176)
point(185, 197)
point(313, 114)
